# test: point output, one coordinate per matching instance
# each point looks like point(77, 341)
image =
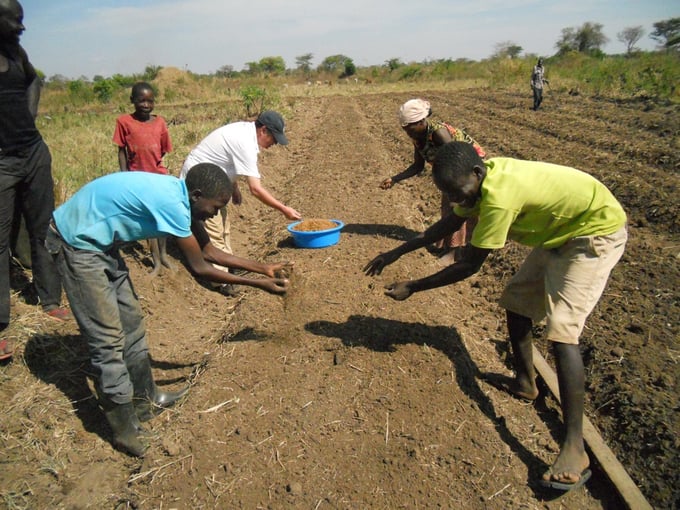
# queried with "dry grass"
point(80, 138)
point(36, 428)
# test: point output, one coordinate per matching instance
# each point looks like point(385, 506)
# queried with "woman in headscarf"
point(428, 135)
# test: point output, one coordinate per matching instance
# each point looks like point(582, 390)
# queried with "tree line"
point(588, 39)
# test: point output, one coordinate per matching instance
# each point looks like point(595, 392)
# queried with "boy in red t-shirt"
point(143, 140)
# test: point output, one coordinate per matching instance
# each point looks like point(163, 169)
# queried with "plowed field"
point(336, 396)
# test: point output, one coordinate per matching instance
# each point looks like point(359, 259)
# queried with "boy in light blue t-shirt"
point(577, 229)
point(84, 239)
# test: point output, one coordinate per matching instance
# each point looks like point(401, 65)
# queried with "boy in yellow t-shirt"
point(578, 231)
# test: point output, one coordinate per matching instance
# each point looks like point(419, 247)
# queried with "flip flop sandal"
point(565, 486)
point(6, 350)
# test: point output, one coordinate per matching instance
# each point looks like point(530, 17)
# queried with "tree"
point(667, 33)
point(252, 67)
point(123, 81)
point(393, 63)
point(226, 71)
point(304, 62)
point(507, 49)
point(673, 42)
point(629, 36)
point(272, 65)
point(586, 39)
point(333, 64)
point(567, 41)
point(58, 81)
point(350, 68)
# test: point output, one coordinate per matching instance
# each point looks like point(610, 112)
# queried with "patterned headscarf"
point(413, 110)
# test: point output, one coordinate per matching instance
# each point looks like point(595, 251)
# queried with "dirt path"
point(338, 397)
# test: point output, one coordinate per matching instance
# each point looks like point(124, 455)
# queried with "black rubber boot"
point(127, 431)
point(148, 400)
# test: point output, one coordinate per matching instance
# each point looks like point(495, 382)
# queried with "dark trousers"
point(26, 180)
point(19, 243)
point(538, 97)
point(108, 313)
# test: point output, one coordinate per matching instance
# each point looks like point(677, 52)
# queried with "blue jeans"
point(107, 310)
point(26, 177)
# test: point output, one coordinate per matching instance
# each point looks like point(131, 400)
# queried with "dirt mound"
point(170, 76)
point(173, 84)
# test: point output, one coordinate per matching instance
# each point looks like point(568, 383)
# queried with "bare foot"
point(568, 468)
point(155, 271)
point(512, 386)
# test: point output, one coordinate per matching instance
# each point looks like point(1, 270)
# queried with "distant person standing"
point(25, 170)
point(143, 140)
point(234, 148)
point(537, 81)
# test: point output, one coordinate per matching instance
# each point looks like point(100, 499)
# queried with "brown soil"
point(339, 397)
point(314, 225)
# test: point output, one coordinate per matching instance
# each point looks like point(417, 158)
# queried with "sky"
point(85, 38)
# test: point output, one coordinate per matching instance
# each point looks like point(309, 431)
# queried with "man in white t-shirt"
point(234, 148)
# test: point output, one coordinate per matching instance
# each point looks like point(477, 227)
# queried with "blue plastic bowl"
point(316, 238)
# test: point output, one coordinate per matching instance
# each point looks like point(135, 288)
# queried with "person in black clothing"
point(25, 170)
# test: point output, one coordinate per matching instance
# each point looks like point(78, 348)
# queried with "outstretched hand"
point(279, 269)
point(291, 213)
point(398, 290)
point(375, 266)
point(278, 286)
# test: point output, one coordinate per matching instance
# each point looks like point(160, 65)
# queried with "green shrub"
point(103, 90)
point(79, 92)
point(257, 99)
point(409, 72)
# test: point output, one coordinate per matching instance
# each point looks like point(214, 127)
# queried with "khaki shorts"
point(563, 285)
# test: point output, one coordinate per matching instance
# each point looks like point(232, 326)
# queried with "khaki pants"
point(563, 285)
point(219, 231)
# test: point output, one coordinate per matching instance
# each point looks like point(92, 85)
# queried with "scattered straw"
point(234, 400)
point(497, 492)
point(156, 470)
